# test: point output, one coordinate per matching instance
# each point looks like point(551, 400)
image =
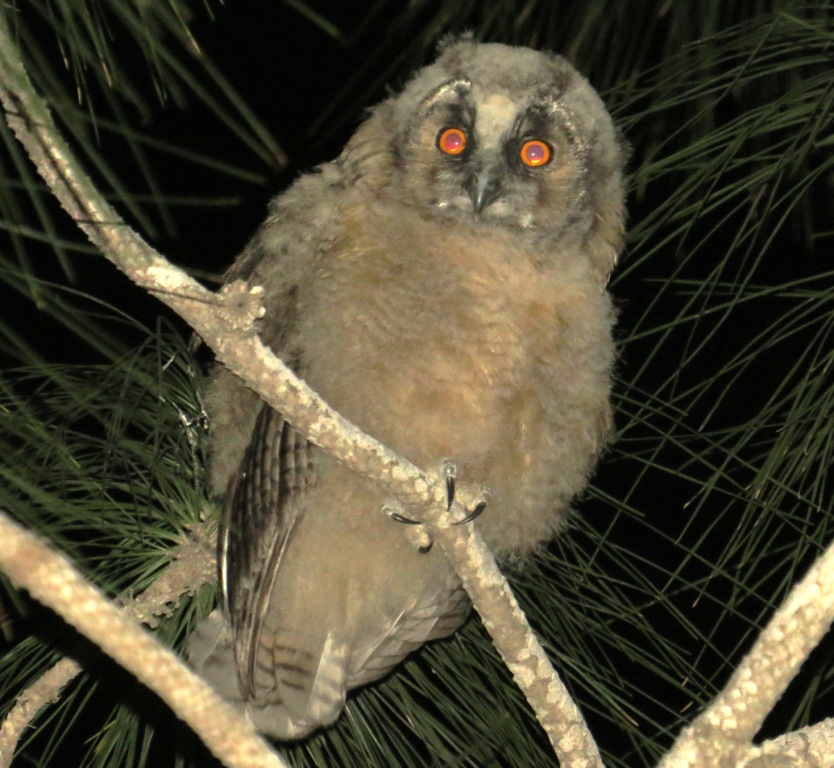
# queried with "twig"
point(192, 566)
point(225, 324)
point(40, 693)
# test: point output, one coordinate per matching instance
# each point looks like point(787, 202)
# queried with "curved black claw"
point(391, 511)
point(419, 537)
point(475, 512)
point(398, 518)
point(450, 473)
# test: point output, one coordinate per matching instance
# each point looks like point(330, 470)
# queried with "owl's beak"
point(485, 188)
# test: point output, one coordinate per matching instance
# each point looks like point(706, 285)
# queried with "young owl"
point(442, 285)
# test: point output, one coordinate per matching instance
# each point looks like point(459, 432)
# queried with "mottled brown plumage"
point(446, 294)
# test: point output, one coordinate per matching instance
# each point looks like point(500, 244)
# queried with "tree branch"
point(51, 580)
point(225, 324)
point(811, 747)
point(193, 566)
point(40, 693)
point(723, 734)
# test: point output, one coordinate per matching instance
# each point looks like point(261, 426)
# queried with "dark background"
point(310, 90)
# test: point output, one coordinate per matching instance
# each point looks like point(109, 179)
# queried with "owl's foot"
point(448, 473)
point(474, 505)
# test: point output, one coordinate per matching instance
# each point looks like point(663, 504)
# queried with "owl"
point(442, 284)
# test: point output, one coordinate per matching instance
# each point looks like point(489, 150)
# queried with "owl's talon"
point(418, 536)
point(475, 502)
point(473, 513)
point(398, 518)
point(392, 510)
point(449, 473)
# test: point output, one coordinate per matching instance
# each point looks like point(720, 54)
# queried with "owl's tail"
point(297, 690)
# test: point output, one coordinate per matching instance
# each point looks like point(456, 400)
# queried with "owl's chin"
point(498, 212)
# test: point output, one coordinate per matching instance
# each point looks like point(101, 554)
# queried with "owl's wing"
point(257, 526)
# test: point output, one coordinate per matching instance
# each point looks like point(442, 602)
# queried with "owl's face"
point(484, 153)
point(503, 136)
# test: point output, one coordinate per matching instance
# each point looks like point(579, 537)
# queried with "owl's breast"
point(433, 336)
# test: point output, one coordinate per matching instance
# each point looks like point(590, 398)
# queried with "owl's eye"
point(535, 153)
point(451, 141)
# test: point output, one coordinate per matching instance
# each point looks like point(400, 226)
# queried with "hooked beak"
point(484, 189)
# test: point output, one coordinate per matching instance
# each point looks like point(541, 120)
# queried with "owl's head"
point(500, 136)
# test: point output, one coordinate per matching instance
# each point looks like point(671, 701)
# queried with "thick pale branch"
point(723, 734)
point(51, 580)
point(193, 566)
point(225, 325)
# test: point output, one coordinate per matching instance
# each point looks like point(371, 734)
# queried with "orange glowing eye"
point(535, 153)
point(452, 141)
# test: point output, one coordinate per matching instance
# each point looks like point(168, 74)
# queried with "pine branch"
point(193, 565)
point(723, 734)
point(50, 579)
point(44, 690)
point(811, 747)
